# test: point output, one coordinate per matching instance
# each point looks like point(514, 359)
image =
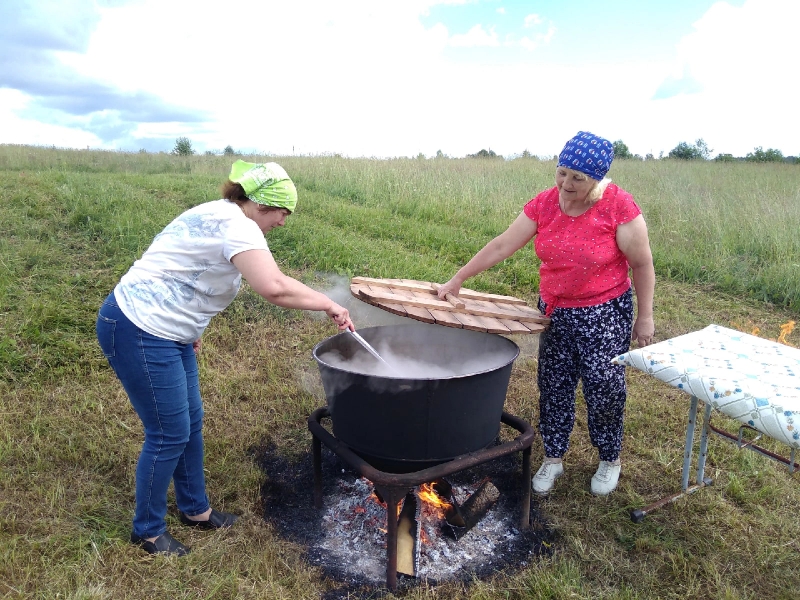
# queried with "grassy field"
point(725, 243)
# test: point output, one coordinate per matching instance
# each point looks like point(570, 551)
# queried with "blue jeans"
point(161, 380)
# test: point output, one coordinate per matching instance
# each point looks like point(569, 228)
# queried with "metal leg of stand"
point(525, 519)
point(638, 515)
point(316, 447)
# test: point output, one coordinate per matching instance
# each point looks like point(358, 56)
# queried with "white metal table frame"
point(749, 379)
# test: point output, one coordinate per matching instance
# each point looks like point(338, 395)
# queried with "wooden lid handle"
point(454, 300)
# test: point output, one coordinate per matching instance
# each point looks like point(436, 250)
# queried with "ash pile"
point(455, 529)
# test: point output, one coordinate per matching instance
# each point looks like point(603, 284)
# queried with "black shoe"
point(216, 520)
point(164, 544)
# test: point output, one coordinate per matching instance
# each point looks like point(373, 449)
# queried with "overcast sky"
point(389, 78)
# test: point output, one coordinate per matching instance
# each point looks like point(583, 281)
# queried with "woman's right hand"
point(340, 316)
point(451, 287)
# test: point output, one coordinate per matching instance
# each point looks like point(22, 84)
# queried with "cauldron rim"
point(505, 363)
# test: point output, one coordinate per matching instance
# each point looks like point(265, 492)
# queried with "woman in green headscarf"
point(149, 329)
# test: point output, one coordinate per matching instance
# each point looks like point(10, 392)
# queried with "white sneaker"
point(546, 476)
point(605, 480)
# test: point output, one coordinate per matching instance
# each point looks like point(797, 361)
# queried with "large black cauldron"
point(402, 424)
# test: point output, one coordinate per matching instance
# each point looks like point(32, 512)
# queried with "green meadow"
point(726, 249)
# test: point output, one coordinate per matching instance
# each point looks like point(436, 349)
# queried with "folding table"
point(747, 378)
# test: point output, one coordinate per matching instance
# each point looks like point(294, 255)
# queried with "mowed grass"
point(724, 239)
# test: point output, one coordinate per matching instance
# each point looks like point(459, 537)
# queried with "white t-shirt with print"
point(186, 276)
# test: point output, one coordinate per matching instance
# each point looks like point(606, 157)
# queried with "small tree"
point(483, 153)
point(229, 151)
point(703, 149)
point(769, 155)
point(621, 150)
point(684, 151)
point(725, 158)
point(183, 147)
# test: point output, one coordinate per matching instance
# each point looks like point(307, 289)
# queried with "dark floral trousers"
point(579, 345)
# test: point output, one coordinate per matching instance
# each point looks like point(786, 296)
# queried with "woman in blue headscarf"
point(589, 233)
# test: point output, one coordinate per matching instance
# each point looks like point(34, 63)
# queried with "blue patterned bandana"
point(588, 153)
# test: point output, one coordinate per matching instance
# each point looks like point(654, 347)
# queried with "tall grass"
point(724, 240)
point(730, 226)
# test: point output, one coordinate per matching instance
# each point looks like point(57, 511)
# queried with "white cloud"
point(743, 60)
point(538, 40)
point(532, 20)
point(476, 36)
point(365, 78)
point(18, 130)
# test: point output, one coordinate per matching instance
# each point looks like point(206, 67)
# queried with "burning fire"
point(437, 505)
point(432, 502)
point(786, 329)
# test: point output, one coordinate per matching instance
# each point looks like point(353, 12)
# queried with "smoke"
point(402, 366)
point(337, 288)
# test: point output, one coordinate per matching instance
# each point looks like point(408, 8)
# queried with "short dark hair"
point(233, 192)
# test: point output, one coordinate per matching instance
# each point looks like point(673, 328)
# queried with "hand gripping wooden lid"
point(469, 310)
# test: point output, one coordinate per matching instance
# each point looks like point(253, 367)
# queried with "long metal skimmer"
point(370, 349)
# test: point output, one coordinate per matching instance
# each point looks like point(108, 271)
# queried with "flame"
point(428, 494)
point(786, 329)
point(423, 537)
point(438, 505)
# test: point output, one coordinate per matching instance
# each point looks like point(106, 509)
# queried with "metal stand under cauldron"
point(394, 486)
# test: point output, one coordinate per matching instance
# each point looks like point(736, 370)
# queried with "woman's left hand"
point(340, 316)
point(643, 331)
point(196, 344)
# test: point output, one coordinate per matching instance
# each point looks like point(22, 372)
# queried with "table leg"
point(688, 448)
point(701, 459)
point(638, 515)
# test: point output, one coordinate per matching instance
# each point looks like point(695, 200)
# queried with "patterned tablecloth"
point(747, 378)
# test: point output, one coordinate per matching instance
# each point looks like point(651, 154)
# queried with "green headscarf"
point(266, 184)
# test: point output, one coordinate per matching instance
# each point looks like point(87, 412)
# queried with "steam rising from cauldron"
point(418, 355)
point(406, 367)
point(337, 288)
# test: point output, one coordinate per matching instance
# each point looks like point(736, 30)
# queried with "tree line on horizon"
point(683, 151)
point(700, 151)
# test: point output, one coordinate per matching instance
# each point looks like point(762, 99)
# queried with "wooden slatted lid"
point(478, 311)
